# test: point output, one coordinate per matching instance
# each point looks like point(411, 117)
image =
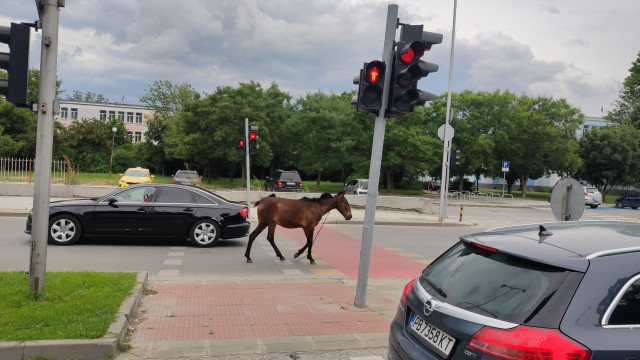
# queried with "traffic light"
point(455, 159)
point(241, 147)
point(370, 86)
point(253, 140)
point(16, 62)
point(404, 94)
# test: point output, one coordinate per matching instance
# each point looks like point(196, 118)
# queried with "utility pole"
point(49, 11)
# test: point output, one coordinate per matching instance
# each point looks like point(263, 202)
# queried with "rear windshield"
point(187, 174)
point(137, 173)
point(289, 177)
point(497, 285)
point(364, 184)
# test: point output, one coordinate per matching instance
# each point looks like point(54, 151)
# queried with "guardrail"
point(479, 197)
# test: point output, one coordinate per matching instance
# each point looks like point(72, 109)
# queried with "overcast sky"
point(580, 50)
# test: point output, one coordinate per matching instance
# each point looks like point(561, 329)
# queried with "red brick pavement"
point(237, 311)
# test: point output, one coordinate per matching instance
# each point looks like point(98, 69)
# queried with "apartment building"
point(134, 117)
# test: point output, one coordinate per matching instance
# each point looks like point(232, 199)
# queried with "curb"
point(103, 347)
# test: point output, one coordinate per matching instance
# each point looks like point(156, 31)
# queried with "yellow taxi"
point(135, 175)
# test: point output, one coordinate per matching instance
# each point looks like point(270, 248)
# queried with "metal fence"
point(16, 169)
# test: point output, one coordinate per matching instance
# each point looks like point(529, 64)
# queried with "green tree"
point(627, 108)
point(8, 147)
point(610, 157)
point(88, 96)
point(88, 143)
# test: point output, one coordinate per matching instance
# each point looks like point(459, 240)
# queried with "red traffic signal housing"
point(16, 62)
point(241, 147)
point(371, 84)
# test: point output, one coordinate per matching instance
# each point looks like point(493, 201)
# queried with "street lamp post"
point(113, 143)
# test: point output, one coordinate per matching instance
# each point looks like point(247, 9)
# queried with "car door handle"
point(187, 209)
point(142, 209)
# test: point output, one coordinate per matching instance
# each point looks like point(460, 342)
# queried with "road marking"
point(291, 271)
point(367, 358)
point(176, 253)
point(426, 262)
point(172, 262)
point(413, 255)
point(327, 272)
point(168, 272)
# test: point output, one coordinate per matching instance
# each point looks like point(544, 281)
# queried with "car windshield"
point(187, 174)
point(493, 284)
point(137, 173)
point(591, 190)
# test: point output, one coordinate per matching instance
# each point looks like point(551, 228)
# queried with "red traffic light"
point(373, 74)
point(241, 142)
point(410, 52)
point(253, 136)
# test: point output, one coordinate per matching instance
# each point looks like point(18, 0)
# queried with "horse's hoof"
point(282, 258)
point(295, 255)
point(312, 262)
point(249, 261)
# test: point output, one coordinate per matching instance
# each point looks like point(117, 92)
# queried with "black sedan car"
point(631, 200)
point(166, 211)
point(568, 290)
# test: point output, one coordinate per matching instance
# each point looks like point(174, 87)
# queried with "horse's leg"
point(252, 237)
point(309, 234)
point(272, 240)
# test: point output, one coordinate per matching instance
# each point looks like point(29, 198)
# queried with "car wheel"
point(64, 230)
point(634, 207)
point(594, 206)
point(204, 233)
point(619, 205)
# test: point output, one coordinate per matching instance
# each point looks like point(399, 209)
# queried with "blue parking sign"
point(505, 166)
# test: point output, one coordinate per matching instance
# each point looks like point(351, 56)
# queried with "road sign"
point(505, 166)
point(450, 132)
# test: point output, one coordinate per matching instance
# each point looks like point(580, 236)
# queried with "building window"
point(103, 115)
point(130, 117)
point(121, 115)
point(74, 114)
point(64, 113)
point(137, 137)
point(112, 115)
point(138, 118)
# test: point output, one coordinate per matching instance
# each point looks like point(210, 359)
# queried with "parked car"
point(549, 291)
point(186, 177)
point(135, 175)
point(592, 196)
point(631, 200)
point(283, 180)
point(163, 211)
point(356, 187)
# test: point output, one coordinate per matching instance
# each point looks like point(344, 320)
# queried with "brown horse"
point(305, 213)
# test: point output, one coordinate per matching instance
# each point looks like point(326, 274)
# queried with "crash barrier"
point(479, 197)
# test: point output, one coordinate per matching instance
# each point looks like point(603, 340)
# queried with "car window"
point(171, 195)
point(493, 284)
point(137, 173)
point(133, 195)
point(201, 199)
point(290, 177)
point(352, 182)
point(364, 184)
point(627, 311)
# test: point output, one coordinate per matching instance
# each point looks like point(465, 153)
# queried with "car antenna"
point(544, 233)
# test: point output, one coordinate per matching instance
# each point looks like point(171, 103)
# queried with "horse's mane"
point(322, 197)
point(258, 202)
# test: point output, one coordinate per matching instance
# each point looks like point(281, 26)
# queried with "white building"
point(134, 117)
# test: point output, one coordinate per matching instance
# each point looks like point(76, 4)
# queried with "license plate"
point(434, 336)
point(291, 183)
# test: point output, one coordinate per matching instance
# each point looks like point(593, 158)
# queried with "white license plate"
point(291, 183)
point(434, 336)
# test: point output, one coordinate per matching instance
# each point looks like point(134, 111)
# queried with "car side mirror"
point(266, 178)
point(112, 202)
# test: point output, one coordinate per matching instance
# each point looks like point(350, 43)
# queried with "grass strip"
point(75, 305)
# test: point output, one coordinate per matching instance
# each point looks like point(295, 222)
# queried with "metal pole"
point(113, 144)
point(444, 186)
point(376, 161)
point(246, 155)
point(49, 15)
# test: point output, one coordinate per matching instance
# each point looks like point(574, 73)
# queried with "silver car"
point(356, 187)
point(592, 196)
point(186, 177)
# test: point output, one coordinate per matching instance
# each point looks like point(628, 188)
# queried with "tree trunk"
point(318, 180)
point(389, 180)
point(523, 184)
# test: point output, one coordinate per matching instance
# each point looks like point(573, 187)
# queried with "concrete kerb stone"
point(81, 348)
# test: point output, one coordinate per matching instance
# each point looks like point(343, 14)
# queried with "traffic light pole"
point(444, 182)
point(376, 161)
point(49, 15)
point(246, 156)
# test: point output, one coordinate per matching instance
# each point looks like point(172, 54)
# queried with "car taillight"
point(198, 181)
point(484, 247)
point(405, 293)
point(244, 212)
point(301, 184)
point(279, 183)
point(527, 343)
point(174, 180)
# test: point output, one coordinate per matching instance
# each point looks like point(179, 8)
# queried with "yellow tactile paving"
point(415, 255)
point(394, 249)
point(326, 271)
point(426, 262)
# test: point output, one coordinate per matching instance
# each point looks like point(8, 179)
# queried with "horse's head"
point(342, 205)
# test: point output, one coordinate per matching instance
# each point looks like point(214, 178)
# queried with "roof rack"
point(613, 252)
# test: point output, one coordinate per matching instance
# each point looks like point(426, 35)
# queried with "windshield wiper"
point(436, 288)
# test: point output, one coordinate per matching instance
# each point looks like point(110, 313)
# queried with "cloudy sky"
point(580, 50)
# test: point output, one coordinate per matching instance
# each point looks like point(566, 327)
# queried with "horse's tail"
point(258, 202)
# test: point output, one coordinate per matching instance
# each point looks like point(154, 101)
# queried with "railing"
point(16, 169)
point(478, 197)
